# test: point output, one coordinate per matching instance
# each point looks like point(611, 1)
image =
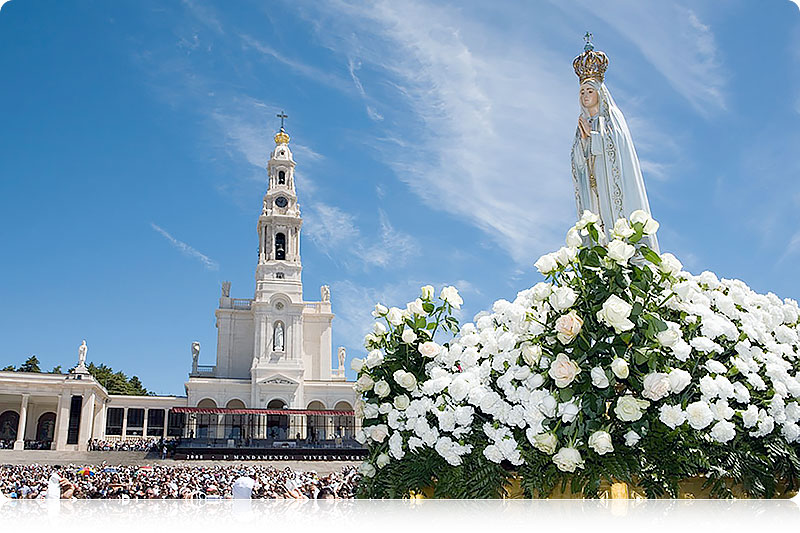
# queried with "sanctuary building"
point(273, 382)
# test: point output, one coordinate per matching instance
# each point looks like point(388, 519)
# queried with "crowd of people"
point(174, 482)
point(142, 444)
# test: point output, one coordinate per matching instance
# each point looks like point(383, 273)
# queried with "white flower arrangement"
point(619, 353)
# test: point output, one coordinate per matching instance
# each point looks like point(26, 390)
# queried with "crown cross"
point(282, 116)
point(591, 64)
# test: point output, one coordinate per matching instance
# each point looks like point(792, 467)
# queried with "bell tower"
point(279, 266)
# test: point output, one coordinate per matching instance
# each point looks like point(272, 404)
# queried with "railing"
point(205, 369)
point(242, 304)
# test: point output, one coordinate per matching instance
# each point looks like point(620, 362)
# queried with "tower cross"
point(282, 116)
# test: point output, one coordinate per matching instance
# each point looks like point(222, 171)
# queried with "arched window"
point(8, 425)
point(281, 178)
point(45, 427)
point(278, 337)
point(280, 246)
point(278, 275)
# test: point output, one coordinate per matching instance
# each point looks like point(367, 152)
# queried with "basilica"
point(273, 382)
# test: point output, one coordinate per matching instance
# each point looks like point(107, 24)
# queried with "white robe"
point(620, 187)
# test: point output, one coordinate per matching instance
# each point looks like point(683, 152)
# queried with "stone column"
point(124, 422)
point(62, 420)
point(166, 424)
point(87, 419)
point(19, 444)
point(144, 423)
point(99, 431)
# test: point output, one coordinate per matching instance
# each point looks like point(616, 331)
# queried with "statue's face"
point(588, 96)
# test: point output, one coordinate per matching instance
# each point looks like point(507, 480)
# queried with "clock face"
point(281, 201)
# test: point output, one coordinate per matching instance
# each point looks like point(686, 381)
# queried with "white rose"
point(587, 218)
point(650, 225)
point(629, 409)
point(450, 295)
point(545, 442)
point(531, 353)
point(620, 251)
point(408, 335)
point(622, 230)
point(565, 254)
point(427, 292)
point(723, 431)
point(366, 469)
point(407, 380)
point(715, 367)
point(670, 336)
point(750, 416)
point(563, 370)
point(395, 316)
point(672, 415)
point(401, 402)
point(568, 459)
point(632, 438)
point(568, 326)
point(357, 364)
point(546, 264)
point(364, 383)
point(568, 411)
point(620, 368)
point(380, 310)
point(656, 386)
point(574, 238)
point(600, 441)
point(385, 408)
point(382, 460)
point(429, 349)
point(415, 308)
point(370, 410)
point(699, 415)
point(599, 378)
point(679, 379)
point(562, 298)
point(670, 264)
point(615, 313)
point(382, 389)
point(378, 433)
point(374, 358)
point(791, 432)
point(379, 329)
point(541, 291)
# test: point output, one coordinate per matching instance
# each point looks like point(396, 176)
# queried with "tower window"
point(281, 178)
point(280, 246)
point(278, 275)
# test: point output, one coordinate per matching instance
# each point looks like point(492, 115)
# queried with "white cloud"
point(185, 249)
point(480, 128)
point(335, 233)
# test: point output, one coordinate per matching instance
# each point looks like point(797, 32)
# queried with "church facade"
point(273, 376)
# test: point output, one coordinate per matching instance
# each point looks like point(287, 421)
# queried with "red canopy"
point(223, 411)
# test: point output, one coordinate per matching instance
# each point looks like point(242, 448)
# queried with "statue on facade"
point(342, 353)
point(605, 169)
point(82, 349)
point(325, 291)
point(226, 289)
point(195, 355)
point(278, 339)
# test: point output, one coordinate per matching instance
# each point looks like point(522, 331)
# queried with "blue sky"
point(432, 144)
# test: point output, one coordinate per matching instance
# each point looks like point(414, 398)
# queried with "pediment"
point(278, 379)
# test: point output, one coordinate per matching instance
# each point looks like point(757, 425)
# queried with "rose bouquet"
point(620, 366)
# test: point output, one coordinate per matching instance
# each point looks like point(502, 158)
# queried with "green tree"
point(31, 365)
point(9, 368)
point(136, 387)
point(116, 382)
point(56, 370)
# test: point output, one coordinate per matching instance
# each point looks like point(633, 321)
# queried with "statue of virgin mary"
point(605, 168)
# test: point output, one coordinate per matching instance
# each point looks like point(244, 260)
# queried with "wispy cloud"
point(185, 249)
point(353, 66)
point(335, 233)
point(478, 126)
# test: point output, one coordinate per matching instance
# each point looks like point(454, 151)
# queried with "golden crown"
point(282, 137)
point(591, 63)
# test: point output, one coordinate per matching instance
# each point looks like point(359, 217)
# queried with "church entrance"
point(277, 425)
